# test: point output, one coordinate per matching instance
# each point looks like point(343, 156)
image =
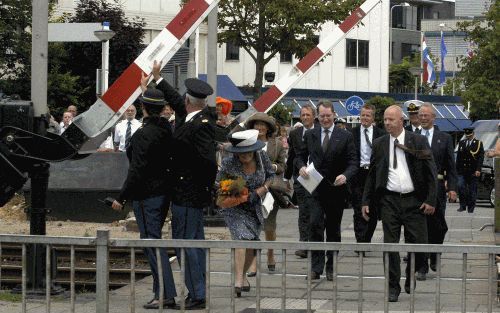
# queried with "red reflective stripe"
point(188, 15)
point(352, 20)
point(268, 98)
point(306, 62)
point(123, 87)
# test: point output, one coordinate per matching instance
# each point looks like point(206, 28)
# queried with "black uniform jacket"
point(442, 150)
point(356, 133)
point(470, 159)
point(421, 165)
point(193, 152)
point(295, 143)
point(340, 157)
point(149, 155)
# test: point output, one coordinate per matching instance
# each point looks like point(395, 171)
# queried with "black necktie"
point(324, 144)
point(128, 134)
point(367, 138)
point(395, 161)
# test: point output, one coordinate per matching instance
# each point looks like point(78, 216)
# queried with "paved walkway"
point(464, 229)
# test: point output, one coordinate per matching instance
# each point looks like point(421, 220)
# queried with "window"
point(286, 57)
point(232, 52)
point(409, 50)
point(357, 53)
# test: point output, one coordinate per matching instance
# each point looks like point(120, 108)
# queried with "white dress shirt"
point(415, 128)
point(399, 179)
point(429, 137)
point(121, 132)
point(365, 150)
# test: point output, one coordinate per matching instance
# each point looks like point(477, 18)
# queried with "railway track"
point(85, 258)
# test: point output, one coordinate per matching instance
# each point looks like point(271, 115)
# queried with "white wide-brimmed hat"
point(244, 141)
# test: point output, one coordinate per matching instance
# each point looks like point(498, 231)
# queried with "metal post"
point(191, 67)
point(212, 55)
point(105, 66)
point(102, 271)
point(39, 51)
point(454, 61)
point(416, 86)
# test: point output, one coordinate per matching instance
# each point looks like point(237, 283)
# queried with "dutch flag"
point(429, 76)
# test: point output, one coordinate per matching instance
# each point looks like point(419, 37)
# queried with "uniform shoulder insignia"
point(204, 121)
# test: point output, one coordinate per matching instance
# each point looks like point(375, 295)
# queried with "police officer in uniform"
point(412, 109)
point(195, 168)
point(470, 158)
point(147, 185)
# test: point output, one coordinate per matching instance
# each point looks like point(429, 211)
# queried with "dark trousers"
point(187, 223)
point(436, 225)
point(467, 191)
point(363, 230)
point(304, 201)
point(150, 215)
point(328, 205)
point(397, 211)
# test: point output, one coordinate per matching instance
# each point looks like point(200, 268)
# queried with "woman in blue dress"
point(245, 220)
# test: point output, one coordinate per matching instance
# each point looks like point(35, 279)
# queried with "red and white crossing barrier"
point(105, 112)
point(265, 102)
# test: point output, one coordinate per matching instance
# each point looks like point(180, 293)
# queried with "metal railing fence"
point(102, 242)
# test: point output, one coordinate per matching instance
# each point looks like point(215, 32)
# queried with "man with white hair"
point(195, 169)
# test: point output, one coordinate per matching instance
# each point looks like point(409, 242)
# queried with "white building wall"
point(330, 74)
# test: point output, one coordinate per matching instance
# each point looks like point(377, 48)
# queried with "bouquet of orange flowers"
point(232, 191)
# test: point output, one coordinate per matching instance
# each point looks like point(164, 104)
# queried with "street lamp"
point(404, 4)
point(442, 26)
point(416, 71)
point(104, 35)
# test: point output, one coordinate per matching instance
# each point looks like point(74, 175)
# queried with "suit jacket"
point(193, 152)
point(422, 170)
point(277, 154)
point(377, 132)
point(469, 159)
point(295, 143)
point(410, 128)
point(340, 157)
point(442, 150)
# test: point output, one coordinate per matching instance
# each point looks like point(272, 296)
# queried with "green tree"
point(124, 47)
point(400, 78)
point(264, 28)
point(282, 113)
point(380, 103)
point(480, 74)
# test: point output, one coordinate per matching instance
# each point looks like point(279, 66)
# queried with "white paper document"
point(267, 204)
point(313, 180)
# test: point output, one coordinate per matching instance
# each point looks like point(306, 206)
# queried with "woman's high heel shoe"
point(246, 288)
point(237, 291)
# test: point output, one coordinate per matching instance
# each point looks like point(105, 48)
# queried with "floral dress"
point(245, 220)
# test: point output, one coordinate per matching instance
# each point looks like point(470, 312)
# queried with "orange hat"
point(227, 105)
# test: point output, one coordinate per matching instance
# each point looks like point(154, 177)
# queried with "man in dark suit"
point(364, 135)
point(442, 149)
point(194, 169)
point(333, 154)
point(470, 157)
point(412, 110)
point(295, 143)
point(402, 181)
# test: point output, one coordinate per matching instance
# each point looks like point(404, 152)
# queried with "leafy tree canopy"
point(380, 103)
point(282, 113)
point(480, 74)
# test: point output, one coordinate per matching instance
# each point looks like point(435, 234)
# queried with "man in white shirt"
point(402, 181)
point(125, 129)
point(66, 121)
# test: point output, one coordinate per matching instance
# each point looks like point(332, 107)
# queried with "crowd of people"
point(400, 175)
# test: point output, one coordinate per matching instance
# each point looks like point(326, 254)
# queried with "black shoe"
point(405, 259)
point(314, 276)
point(433, 266)
point(407, 285)
point(246, 288)
point(329, 276)
point(192, 304)
point(460, 209)
point(421, 276)
point(393, 296)
point(154, 304)
point(301, 254)
point(251, 274)
point(271, 267)
point(237, 291)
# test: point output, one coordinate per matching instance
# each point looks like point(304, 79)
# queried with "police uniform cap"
point(198, 88)
point(153, 97)
point(413, 107)
point(340, 121)
point(468, 130)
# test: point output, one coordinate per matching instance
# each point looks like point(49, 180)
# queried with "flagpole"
point(442, 64)
point(422, 58)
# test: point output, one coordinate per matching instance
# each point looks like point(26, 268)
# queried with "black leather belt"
point(400, 194)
